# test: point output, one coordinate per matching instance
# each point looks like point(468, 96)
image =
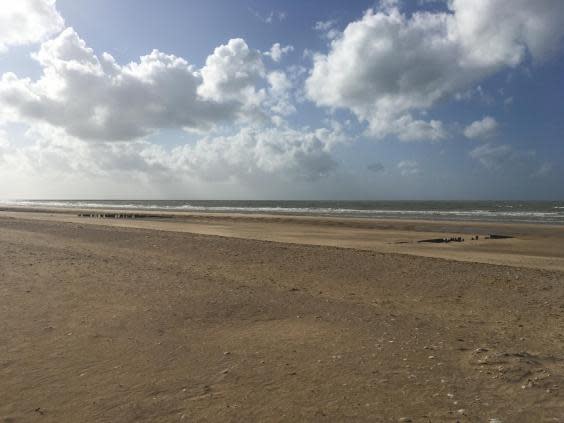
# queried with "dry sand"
point(156, 321)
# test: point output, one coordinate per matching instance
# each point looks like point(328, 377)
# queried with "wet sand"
point(205, 318)
point(532, 245)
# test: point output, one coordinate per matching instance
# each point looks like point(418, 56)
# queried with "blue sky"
point(282, 100)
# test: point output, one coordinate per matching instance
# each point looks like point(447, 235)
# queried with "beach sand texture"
point(158, 320)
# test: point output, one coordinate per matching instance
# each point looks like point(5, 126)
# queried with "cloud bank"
point(246, 156)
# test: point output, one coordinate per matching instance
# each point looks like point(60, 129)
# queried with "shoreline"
point(538, 246)
point(316, 213)
point(276, 216)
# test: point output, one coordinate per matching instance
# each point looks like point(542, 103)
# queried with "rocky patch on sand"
point(523, 368)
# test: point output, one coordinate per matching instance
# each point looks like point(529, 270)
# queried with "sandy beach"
point(216, 317)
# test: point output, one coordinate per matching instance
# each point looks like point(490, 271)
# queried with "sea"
point(549, 212)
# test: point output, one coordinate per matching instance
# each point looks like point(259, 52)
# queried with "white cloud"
point(327, 29)
point(506, 158)
point(251, 153)
point(279, 99)
point(95, 98)
point(275, 15)
point(83, 97)
point(27, 21)
point(324, 25)
point(387, 65)
point(484, 128)
point(277, 51)
point(408, 167)
point(279, 82)
point(492, 157)
point(408, 129)
point(231, 73)
point(3, 138)
point(247, 155)
point(475, 93)
point(4, 145)
point(388, 68)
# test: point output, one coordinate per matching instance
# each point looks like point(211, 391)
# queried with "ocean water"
point(509, 211)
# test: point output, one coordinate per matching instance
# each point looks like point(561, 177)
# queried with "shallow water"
point(509, 211)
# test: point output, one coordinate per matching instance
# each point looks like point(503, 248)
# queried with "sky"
point(294, 99)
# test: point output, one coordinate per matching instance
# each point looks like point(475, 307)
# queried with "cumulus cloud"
point(408, 167)
point(484, 128)
point(95, 98)
point(277, 51)
point(83, 97)
point(231, 73)
point(28, 21)
point(387, 65)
